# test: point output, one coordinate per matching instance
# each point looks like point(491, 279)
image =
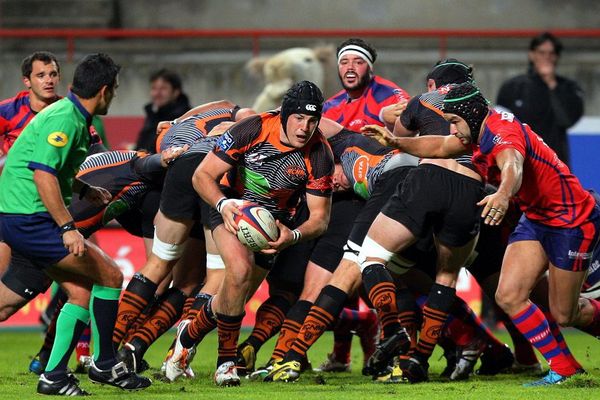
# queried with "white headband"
point(357, 51)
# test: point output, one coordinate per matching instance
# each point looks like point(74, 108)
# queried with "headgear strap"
point(466, 101)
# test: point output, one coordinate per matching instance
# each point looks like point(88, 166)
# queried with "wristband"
point(381, 116)
point(220, 204)
point(69, 226)
point(83, 191)
point(297, 235)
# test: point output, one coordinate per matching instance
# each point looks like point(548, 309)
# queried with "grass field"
point(16, 349)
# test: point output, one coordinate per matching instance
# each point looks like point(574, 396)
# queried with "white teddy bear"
point(283, 69)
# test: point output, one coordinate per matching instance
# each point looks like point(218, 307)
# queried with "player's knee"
point(166, 251)
point(113, 277)
point(240, 280)
point(373, 252)
point(508, 299)
point(79, 296)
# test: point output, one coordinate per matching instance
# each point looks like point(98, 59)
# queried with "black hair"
point(92, 73)
point(44, 56)
point(449, 71)
point(360, 43)
point(543, 37)
point(169, 76)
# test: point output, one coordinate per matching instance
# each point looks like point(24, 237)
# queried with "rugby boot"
point(226, 375)
point(68, 386)
point(395, 345)
point(118, 376)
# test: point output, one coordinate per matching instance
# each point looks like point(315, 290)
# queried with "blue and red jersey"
point(549, 194)
point(365, 110)
point(15, 113)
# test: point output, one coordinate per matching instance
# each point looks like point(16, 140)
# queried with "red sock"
point(531, 322)
point(83, 345)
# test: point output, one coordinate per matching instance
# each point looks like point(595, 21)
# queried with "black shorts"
point(329, 247)
point(434, 198)
point(384, 189)
point(490, 252)
point(25, 277)
point(289, 267)
point(211, 217)
point(179, 200)
point(139, 221)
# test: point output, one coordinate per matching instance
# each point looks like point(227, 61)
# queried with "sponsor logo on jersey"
point(506, 116)
point(497, 140)
point(310, 107)
point(295, 171)
point(356, 123)
point(225, 142)
point(360, 168)
point(58, 139)
point(255, 158)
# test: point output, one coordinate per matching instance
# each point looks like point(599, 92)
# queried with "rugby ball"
point(256, 227)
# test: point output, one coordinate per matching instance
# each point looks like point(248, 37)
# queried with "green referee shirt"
point(56, 141)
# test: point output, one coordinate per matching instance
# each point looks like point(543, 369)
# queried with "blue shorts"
point(570, 249)
point(36, 237)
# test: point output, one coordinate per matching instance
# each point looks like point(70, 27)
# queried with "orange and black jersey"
point(363, 159)
point(423, 114)
point(127, 175)
point(271, 173)
point(194, 128)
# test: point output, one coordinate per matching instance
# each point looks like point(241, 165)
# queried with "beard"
point(360, 85)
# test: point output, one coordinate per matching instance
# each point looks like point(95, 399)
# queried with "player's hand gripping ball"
point(256, 227)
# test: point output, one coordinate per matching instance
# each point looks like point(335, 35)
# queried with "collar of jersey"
point(82, 110)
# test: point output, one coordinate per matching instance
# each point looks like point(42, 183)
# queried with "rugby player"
point(42, 169)
point(261, 147)
point(557, 232)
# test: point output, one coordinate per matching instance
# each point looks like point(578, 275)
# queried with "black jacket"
point(548, 112)
point(147, 136)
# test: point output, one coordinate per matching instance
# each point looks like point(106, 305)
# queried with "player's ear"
point(430, 85)
point(26, 82)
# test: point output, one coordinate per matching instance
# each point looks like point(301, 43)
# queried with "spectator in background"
point(549, 103)
point(167, 103)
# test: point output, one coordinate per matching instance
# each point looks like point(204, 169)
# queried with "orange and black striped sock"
point(321, 316)
point(269, 318)
point(141, 319)
point(382, 294)
point(228, 328)
point(166, 313)
point(435, 313)
point(202, 323)
point(135, 298)
point(290, 328)
point(198, 301)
